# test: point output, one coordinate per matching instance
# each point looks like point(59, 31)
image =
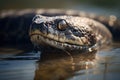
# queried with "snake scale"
point(62, 29)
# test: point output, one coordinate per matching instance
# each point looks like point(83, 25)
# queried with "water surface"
point(101, 65)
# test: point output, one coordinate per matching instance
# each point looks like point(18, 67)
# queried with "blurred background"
point(96, 6)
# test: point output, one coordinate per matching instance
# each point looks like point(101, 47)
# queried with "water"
point(103, 65)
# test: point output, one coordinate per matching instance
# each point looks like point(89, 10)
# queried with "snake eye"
point(62, 25)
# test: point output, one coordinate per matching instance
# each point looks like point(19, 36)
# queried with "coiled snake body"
point(68, 30)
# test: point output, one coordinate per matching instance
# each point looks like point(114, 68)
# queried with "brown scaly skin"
point(68, 33)
point(14, 25)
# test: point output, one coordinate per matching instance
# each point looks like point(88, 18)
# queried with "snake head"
point(63, 32)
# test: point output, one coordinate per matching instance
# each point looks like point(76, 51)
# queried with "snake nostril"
point(38, 37)
point(34, 26)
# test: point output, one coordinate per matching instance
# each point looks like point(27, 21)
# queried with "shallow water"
point(103, 65)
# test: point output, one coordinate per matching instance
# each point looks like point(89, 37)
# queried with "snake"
point(61, 29)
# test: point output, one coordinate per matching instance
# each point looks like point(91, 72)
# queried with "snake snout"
point(38, 27)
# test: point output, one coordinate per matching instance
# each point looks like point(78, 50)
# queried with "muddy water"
point(100, 65)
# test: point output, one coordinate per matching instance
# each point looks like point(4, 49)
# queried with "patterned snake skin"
point(15, 26)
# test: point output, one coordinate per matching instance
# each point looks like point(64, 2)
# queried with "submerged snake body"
point(58, 28)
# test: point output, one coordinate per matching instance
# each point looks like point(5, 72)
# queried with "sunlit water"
point(103, 65)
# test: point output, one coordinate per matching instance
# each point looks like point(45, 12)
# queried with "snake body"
point(71, 30)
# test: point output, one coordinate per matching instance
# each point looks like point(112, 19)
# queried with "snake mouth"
point(38, 39)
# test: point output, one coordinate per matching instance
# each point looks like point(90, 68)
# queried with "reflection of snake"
point(64, 32)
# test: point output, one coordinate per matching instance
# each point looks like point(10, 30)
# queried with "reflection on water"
point(106, 67)
point(103, 65)
point(63, 68)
